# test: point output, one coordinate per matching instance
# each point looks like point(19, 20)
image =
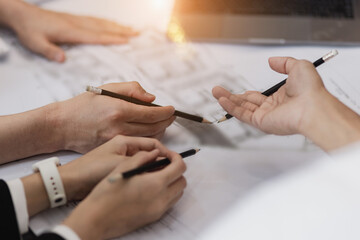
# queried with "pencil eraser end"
point(334, 52)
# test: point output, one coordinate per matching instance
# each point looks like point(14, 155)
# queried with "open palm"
point(284, 112)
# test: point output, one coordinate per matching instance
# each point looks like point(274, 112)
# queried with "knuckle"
point(182, 166)
point(118, 139)
point(183, 182)
point(156, 142)
point(117, 114)
point(151, 116)
point(135, 85)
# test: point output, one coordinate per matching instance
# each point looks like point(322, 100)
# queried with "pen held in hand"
point(276, 87)
point(150, 166)
point(177, 113)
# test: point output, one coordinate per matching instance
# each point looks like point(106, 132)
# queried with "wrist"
point(54, 127)
point(35, 131)
point(36, 197)
point(329, 123)
point(72, 184)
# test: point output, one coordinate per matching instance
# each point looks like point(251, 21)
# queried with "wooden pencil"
point(177, 113)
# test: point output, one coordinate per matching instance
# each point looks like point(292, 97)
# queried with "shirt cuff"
point(17, 192)
point(65, 232)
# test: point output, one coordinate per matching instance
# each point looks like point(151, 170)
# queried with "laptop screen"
point(313, 8)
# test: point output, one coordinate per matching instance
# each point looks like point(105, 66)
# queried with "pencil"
point(276, 87)
point(177, 113)
point(150, 166)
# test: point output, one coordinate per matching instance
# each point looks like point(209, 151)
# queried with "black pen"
point(276, 87)
point(150, 166)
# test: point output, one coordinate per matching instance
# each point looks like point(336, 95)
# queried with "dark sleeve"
point(8, 222)
point(49, 236)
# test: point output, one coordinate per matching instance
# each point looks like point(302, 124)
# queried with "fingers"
point(282, 64)
point(219, 92)
point(241, 113)
point(173, 171)
point(146, 130)
point(112, 27)
point(146, 114)
point(175, 191)
point(136, 144)
point(43, 47)
point(102, 25)
point(131, 89)
point(250, 99)
point(240, 101)
point(140, 159)
point(253, 97)
point(79, 35)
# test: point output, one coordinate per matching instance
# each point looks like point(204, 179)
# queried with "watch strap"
point(52, 180)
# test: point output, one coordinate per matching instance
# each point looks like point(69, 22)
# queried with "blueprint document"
point(234, 157)
point(229, 163)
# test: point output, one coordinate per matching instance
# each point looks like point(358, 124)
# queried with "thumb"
point(45, 48)
point(131, 89)
point(282, 64)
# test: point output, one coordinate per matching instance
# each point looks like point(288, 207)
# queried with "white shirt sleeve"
point(19, 200)
point(65, 232)
point(318, 201)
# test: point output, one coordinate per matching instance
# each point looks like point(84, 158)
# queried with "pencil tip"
point(222, 119)
point(206, 121)
point(197, 149)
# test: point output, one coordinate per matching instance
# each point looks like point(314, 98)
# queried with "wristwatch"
point(52, 180)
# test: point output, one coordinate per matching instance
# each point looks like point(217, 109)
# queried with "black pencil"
point(139, 102)
point(276, 87)
point(151, 166)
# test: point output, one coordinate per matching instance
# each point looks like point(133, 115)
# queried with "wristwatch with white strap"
point(52, 180)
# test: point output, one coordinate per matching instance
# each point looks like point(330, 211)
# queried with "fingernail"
point(59, 57)
point(149, 95)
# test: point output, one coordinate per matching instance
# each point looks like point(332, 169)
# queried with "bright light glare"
point(176, 33)
point(159, 4)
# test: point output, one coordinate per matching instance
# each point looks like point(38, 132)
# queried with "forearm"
point(10, 11)
point(35, 192)
point(331, 124)
point(29, 133)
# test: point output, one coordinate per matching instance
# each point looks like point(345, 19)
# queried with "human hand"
point(40, 30)
point(81, 175)
point(302, 105)
point(285, 111)
point(122, 206)
point(88, 120)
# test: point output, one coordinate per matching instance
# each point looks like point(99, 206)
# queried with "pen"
point(276, 87)
point(150, 166)
point(177, 113)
